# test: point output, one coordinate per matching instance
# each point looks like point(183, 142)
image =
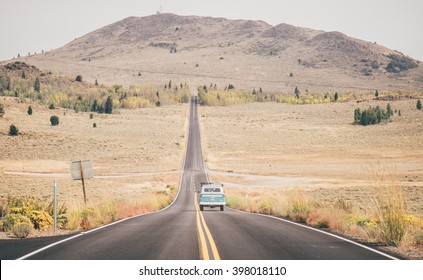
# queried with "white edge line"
point(297, 224)
point(318, 230)
point(119, 221)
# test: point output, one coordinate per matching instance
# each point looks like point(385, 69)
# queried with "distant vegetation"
point(68, 93)
point(372, 115)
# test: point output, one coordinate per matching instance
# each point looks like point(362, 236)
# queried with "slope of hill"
point(248, 54)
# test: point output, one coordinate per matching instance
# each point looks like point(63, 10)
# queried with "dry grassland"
point(135, 153)
point(309, 162)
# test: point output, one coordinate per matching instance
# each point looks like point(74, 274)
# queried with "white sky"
point(35, 25)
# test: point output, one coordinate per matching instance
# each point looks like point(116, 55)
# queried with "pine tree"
point(419, 104)
point(297, 92)
point(29, 110)
point(336, 97)
point(377, 93)
point(54, 120)
point(108, 108)
point(37, 84)
point(13, 130)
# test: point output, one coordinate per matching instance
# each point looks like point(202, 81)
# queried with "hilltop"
point(248, 54)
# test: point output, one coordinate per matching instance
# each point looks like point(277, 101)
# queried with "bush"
point(41, 219)
point(2, 112)
point(14, 219)
point(13, 130)
point(51, 106)
point(79, 78)
point(22, 230)
point(54, 120)
point(419, 104)
point(372, 115)
point(29, 110)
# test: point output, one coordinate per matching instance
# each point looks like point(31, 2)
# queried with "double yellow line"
point(205, 240)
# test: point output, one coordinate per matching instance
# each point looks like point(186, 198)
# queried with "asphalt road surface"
point(183, 232)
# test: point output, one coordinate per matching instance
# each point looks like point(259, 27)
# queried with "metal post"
point(55, 206)
point(83, 183)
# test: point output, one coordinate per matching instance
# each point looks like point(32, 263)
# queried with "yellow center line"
point(203, 245)
point(210, 237)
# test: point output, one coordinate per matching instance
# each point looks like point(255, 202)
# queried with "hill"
point(248, 54)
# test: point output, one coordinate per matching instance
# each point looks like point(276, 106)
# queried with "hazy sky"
point(35, 25)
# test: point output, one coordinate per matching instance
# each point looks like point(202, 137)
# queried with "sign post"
point(81, 170)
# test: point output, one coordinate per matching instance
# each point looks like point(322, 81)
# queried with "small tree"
point(357, 116)
point(54, 120)
point(108, 108)
point(78, 78)
point(51, 106)
point(13, 130)
point(389, 110)
point(336, 97)
point(2, 112)
point(419, 104)
point(29, 110)
point(96, 82)
point(377, 93)
point(37, 84)
point(297, 92)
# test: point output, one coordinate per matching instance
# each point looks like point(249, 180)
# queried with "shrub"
point(51, 106)
point(41, 219)
point(54, 120)
point(22, 230)
point(372, 115)
point(37, 85)
point(79, 78)
point(419, 104)
point(29, 110)
point(13, 219)
point(13, 130)
point(2, 112)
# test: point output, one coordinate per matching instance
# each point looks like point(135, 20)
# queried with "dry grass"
point(136, 154)
point(311, 164)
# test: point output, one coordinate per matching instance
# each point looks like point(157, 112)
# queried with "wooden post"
point(83, 183)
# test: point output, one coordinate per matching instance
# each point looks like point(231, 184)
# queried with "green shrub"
point(372, 115)
point(54, 120)
point(79, 78)
point(29, 110)
point(13, 130)
point(419, 104)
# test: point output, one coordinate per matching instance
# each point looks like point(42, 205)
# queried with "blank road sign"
point(87, 169)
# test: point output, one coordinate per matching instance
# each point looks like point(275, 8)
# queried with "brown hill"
point(248, 54)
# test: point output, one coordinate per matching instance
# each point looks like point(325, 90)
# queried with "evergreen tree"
point(13, 130)
point(419, 104)
point(29, 110)
point(297, 92)
point(96, 82)
point(108, 108)
point(78, 78)
point(336, 97)
point(377, 93)
point(54, 120)
point(37, 84)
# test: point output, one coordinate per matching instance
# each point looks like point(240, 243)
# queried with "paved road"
point(183, 232)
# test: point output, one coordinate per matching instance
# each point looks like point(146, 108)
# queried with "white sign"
point(82, 169)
